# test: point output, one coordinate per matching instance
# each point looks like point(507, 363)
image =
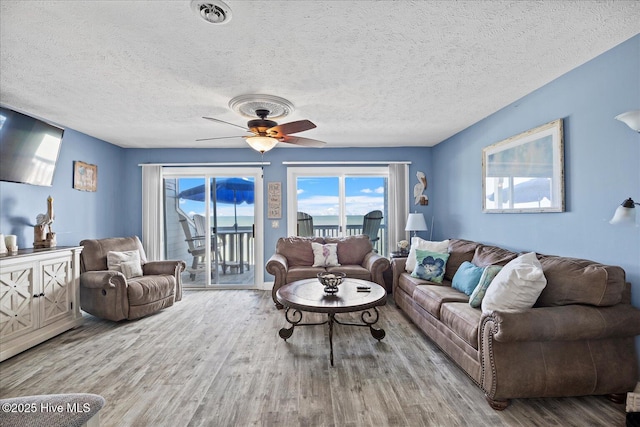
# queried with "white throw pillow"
point(131, 269)
point(425, 245)
point(325, 255)
point(517, 286)
point(115, 260)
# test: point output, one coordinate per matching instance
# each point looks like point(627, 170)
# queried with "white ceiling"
point(367, 73)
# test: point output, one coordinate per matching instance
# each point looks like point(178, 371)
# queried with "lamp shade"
point(631, 119)
point(416, 222)
point(261, 143)
point(625, 213)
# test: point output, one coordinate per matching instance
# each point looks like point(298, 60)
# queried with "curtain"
point(398, 203)
point(152, 209)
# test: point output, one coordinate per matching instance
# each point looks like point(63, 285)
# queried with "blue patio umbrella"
point(227, 190)
point(533, 190)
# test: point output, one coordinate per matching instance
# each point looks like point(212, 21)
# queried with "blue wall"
point(276, 171)
point(602, 167)
point(78, 214)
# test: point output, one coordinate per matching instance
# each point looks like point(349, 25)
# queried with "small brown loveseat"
point(577, 339)
point(294, 260)
point(110, 294)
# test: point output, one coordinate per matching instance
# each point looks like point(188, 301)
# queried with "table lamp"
point(415, 223)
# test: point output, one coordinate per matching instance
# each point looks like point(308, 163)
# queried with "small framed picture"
point(85, 176)
point(274, 197)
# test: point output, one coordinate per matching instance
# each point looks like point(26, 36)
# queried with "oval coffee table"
point(308, 295)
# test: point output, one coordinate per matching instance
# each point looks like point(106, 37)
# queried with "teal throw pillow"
point(430, 265)
point(466, 278)
point(475, 300)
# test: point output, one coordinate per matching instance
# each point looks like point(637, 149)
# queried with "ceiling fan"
point(265, 133)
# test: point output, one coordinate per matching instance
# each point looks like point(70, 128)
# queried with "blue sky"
point(317, 196)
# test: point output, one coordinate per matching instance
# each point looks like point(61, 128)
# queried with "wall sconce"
point(625, 213)
point(416, 223)
point(631, 119)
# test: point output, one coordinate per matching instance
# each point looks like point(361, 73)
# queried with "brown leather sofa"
point(293, 260)
point(109, 294)
point(578, 339)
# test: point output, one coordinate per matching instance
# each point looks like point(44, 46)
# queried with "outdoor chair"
point(217, 248)
point(305, 225)
point(195, 244)
point(371, 227)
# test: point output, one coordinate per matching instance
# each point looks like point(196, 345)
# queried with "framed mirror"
point(525, 173)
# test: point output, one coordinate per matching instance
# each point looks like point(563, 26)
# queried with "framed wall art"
point(274, 200)
point(525, 173)
point(85, 176)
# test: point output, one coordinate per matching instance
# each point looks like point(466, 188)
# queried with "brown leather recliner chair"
point(126, 293)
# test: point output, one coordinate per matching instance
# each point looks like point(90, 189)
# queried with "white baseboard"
point(266, 286)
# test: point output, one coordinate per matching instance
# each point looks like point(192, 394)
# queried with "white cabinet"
point(39, 296)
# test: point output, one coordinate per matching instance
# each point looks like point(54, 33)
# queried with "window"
point(336, 203)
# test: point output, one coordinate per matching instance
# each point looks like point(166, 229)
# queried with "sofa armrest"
point(172, 267)
point(168, 267)
point(377, 265)
point(564, 323)
point(102, 279)
point(398, 266)
point(277, 266)
point(104, 294)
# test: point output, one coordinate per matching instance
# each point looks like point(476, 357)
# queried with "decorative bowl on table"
point(331, 281)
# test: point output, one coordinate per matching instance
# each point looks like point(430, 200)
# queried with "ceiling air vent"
point(213, 11)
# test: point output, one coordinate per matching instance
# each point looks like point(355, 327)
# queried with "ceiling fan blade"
point(289, 128)
point(222, 121)
point(303, 142)
point(221, 137)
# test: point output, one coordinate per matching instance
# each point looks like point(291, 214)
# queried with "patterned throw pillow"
point(425, 245)
point(467, 277)
point(430, 265)
point(488, 274)
point(325, 255)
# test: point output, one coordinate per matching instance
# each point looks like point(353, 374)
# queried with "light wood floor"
point(215, 359)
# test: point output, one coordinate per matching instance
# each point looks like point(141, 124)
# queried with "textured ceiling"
point(367, 73)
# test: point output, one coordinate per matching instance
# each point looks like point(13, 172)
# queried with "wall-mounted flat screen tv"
point(29, 148)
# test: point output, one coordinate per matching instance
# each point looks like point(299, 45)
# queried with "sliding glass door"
point(335, 204)
point(211, 219)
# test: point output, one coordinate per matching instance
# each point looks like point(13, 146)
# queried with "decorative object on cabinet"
point(11, 243)
point(419, 188)
point(625, 213)
point(3, 245)
point(43, 235)
point(631, 119)
point(40, 287)
point(85, 176)
point(525, 173)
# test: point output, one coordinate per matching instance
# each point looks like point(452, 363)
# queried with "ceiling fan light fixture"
point(212, 11)
point(261, 144)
